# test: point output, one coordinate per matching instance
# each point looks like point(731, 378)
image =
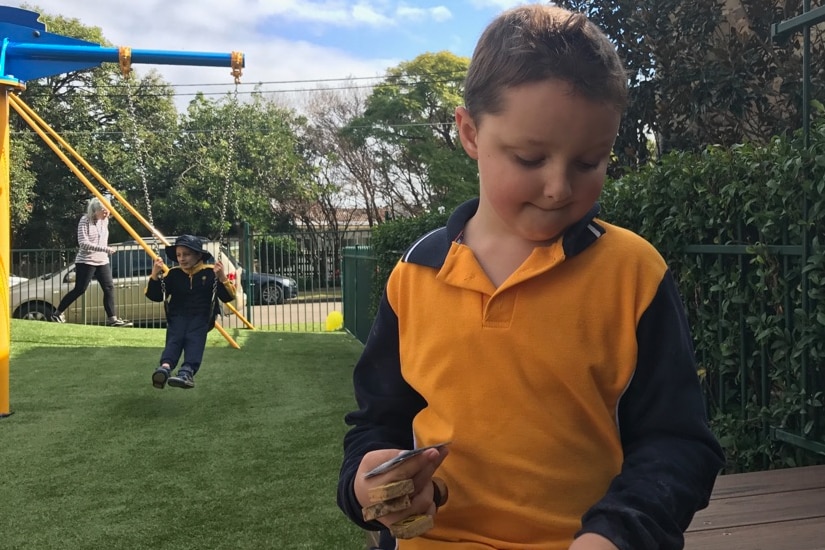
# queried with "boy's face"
point(542, 160)
point(187, 258)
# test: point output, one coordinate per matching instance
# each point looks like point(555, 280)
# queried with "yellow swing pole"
point(53, 146)
point(6, 86)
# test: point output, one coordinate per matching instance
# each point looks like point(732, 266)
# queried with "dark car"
point(268, 289)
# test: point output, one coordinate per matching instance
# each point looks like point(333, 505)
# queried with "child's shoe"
point(183, 379)
point(160, 376)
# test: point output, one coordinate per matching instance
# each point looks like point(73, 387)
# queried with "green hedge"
point(389, 240)
point(758, 334)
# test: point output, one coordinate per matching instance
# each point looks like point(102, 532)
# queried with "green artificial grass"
point(93, 457)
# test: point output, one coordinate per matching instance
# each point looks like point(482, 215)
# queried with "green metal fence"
point(358, 276)
point(754, 346)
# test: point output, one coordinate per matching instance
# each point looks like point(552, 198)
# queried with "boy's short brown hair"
point(536, 42)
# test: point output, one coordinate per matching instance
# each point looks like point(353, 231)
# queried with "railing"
point(310, 264)
point(809, 383)
point(751, 338)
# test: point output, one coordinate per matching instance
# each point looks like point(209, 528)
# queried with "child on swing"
point(190, 308)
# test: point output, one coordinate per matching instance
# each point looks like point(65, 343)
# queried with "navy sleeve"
point(154, 290)
point(386, 408)
point(671, 458)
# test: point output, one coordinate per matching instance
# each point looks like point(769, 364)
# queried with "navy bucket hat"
point(191, 242)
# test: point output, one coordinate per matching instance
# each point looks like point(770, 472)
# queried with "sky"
point(290, 46)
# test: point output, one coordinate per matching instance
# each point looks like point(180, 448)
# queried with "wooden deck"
point(772, 510)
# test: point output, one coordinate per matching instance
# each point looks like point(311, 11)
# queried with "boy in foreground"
point(551, 348)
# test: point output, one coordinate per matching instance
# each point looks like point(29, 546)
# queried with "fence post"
point(803, 22)
point(357, 275)
point(246, 264)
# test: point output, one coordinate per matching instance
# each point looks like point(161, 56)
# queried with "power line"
point(264, 91)
point(241, 130)
point(450, 74)
point(280, 91)
point(452, 77)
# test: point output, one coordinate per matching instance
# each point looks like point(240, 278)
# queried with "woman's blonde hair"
point(93, 208)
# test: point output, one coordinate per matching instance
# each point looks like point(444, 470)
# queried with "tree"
point(250, 151)
point(21, 180)
point(348, 172)
point(408, 127)
point(705, 72)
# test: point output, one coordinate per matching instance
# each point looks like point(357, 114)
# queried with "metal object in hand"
point(401, 458)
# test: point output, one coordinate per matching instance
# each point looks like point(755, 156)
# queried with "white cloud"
point(363, 12)
point(381, 13)
point(411, 13)
point(501, 4)
point(440, 13)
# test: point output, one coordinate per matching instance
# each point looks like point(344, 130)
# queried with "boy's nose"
point(557, 184)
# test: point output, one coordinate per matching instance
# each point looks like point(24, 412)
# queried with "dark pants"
point(185, 335)
point(381, 540)
point(84, 273)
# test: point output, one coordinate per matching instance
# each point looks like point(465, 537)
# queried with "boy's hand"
point(419, 469)
point(592, 541)
point(157, 267)
point(218, 269)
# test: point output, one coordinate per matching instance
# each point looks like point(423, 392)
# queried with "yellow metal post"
point(6, 86)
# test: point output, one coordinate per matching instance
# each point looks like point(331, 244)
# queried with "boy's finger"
point(422, 466)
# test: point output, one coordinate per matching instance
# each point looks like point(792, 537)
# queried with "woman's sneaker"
point(118, 322)
point(183, 379)
point(160, 376)
point(57, 318)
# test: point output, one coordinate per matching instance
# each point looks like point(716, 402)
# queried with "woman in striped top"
point(92, 262)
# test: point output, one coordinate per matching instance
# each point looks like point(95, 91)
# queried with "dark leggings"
point(185, 335)
point(84, 273)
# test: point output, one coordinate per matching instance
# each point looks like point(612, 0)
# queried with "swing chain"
point(237, 62)
point(140, 155)
point(125, 62)
point(230, 159)
point(233, 126)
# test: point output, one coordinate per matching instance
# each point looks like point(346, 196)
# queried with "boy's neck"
point(499, 253)
point(194, 269)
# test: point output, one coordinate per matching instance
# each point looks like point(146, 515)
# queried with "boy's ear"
point(467, 131)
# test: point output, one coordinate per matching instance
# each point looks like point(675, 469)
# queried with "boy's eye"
point(530, 163)
point(588, 165)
